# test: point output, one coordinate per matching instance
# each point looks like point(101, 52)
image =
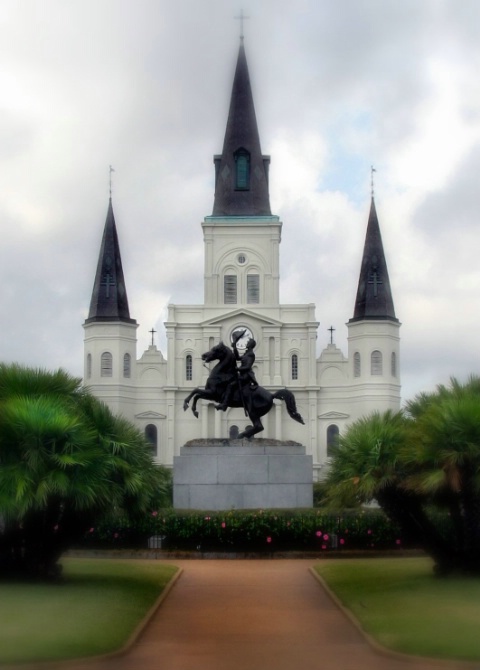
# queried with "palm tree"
point(446, 452)
point(368, 464)
point(65, 459)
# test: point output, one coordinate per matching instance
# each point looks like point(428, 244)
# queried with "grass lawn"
point(93, 611)
point(404, 607)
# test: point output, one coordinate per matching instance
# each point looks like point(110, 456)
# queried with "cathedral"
point(241, 292)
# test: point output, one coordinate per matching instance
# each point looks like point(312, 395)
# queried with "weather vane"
point(110, 178)
point(241, 18)
point(372, 170)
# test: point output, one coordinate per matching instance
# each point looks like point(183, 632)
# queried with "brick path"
point(252, 615)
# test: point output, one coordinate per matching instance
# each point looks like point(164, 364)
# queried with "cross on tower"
point(331, 330)
point(375, 280)
point(110, 168)
point(372, 170)
point(153, 331)
point(241, 18)
point(108, 281)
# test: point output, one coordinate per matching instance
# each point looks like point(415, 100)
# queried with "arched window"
point(230, 289)
point(332, 438)
point(188, 368)
point(106, 363)
point(294, 366)
point(127, 365)
point(242, 170)
point(357, 366)
point(89, 366)
point(394, 364)
point(376, 363)
point(151, 434)
point(253, 289)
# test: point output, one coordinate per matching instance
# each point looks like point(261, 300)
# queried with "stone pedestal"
point(233, 475)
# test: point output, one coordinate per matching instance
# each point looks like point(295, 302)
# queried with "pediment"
point(150, 415)
point(334, 415)
point(240, 315)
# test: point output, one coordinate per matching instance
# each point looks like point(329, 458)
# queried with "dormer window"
point(242, 170)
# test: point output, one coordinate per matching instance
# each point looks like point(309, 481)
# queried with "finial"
point(372, 170)
point(241, 18)
point(152, 332)
point(110, 179)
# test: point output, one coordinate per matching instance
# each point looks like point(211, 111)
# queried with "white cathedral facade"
point(241, 291)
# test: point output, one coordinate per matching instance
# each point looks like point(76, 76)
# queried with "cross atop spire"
point(372, 190)
point(241, 17)
point(110, 169)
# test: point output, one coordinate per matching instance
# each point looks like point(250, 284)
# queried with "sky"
point(144, 86)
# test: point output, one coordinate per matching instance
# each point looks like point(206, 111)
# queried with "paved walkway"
point(252, 615)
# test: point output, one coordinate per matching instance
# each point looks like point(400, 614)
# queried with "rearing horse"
point(260, 401)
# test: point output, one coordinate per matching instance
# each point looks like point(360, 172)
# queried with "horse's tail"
point(289, 398)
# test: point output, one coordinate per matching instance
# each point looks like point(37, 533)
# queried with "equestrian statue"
point(230, 385)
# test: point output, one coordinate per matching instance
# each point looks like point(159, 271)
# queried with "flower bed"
point(254, 530)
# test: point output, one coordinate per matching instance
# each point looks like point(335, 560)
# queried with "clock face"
point(242, 342)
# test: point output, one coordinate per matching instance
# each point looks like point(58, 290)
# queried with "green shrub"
point(251, 530)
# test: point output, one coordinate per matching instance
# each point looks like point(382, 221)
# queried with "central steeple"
point(241, 171)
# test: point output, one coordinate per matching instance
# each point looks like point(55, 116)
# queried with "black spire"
point(241, 171)
point(109, 297)
point(374, 296)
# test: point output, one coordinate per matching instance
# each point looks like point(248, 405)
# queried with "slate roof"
point(241, 133)
point(374, 295)
point(109, 296)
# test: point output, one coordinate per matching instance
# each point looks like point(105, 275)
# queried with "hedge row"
point(255, 530)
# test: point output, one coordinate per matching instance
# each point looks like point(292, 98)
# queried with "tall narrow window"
point(89, 366)
point(151, 434)
point(127, 365)
point(394, 364)
point(294, 366)
point(242, 170)
point(376, 363)
point(332, 438)
point(188, 368)
point(106, 364)
point(253, 289)
point(357, 365)
point(230, 289)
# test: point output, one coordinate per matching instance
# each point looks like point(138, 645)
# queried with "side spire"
point(241, 171)
point(374, 296)
point(109, 296)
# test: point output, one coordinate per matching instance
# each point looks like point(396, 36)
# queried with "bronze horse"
point(257, 405)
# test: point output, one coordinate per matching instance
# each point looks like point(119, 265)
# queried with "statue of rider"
point(245, 380)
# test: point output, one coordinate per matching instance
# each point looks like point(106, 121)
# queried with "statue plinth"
point(241, 474)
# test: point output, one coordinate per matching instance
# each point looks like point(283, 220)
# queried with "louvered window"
point(394, 365)
point(127, 365)
point(253, 289)
point(89, 366)
point(377, 363)
point(230, 289)
point(357, 369)
point(106, 364)
point(242, 170)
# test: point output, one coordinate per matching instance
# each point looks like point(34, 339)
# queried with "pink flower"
point(269, 539)
point(326, 537)
point(398, 541)
point(154, 513)
point(342, 541)
point(91, 530)
point(207, 518)
point(369, 532)
point(224, 525)
point(324, 546)
point(318, 533)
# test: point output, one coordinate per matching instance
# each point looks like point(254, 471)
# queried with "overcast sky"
point(339, 85)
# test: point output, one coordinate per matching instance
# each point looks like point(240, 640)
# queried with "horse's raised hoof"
point(195, 413)
point(221, 407)
point(185, 406)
